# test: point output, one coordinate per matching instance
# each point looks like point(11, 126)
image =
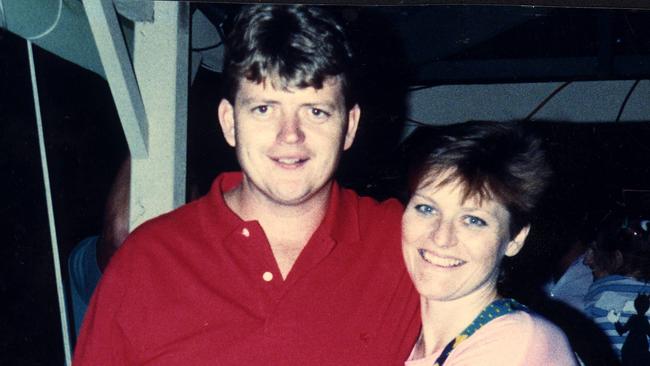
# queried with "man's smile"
point(290, 162)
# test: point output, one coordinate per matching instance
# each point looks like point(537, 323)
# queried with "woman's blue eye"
point(425, 209)
point(475, 221)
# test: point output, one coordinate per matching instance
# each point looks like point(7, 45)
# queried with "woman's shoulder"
point(518, 338)
point(522, 323)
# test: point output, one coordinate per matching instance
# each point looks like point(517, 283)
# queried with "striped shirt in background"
point(611, 298)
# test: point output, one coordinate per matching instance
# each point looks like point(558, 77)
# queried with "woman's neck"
point(442, 321)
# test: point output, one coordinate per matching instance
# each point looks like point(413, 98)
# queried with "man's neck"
point(287, 227)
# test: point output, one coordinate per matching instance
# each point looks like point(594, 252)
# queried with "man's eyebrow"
point(252, 100)
point(329, 105)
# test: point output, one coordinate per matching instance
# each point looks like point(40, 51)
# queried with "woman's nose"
point(443, 234)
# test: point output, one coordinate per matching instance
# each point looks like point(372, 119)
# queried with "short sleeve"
point(101, 339)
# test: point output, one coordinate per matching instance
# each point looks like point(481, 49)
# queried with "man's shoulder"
point(157, 240)
point(178, 218)
point(378, 222)
point(168, 227)
point(367, 204)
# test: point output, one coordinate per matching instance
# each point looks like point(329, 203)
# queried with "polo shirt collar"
point(217, 211)
point(341, 221)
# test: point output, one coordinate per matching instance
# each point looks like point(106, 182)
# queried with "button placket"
point(245, 232)
point(267, 276)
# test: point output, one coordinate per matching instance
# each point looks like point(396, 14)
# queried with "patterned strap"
point(494, 310)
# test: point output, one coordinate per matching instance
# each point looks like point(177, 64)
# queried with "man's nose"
point(443, 234)
point(291, 130)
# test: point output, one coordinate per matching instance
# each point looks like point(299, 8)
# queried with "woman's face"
point(453, 249)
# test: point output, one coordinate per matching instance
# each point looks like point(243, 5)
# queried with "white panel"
point(459, 103)
point(161, 64)
point(586, 101)
point(119, 73)
point(638, 105)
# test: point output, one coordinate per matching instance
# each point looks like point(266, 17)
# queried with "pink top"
point(514, 339)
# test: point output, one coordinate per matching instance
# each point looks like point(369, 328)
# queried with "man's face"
point(288, 142)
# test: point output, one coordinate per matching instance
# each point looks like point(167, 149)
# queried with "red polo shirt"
point(200, 286)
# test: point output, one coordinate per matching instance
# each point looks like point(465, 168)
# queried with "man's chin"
point(294, 198)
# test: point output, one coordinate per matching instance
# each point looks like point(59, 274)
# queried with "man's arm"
point(102, 340)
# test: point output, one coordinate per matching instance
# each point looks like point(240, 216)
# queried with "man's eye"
point(475, 221)
point(319, 113)
point(261, 109)
point(424, 209)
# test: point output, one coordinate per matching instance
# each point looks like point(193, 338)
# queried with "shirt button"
point(245, 232)
point(267, 276)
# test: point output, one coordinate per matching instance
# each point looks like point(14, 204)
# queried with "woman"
point(473, 193)
point(618, 300)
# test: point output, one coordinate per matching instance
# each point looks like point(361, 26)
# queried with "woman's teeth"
point(439, 261)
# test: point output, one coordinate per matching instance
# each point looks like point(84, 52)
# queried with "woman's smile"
point(440, 261)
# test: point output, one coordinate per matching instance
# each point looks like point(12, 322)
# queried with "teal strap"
point(496, 309)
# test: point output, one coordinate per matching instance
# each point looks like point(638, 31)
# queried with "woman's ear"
point(515, 245)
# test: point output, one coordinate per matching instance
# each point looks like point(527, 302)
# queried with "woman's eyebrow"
point(424, 197)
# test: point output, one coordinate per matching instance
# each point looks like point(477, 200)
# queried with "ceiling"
point(451, 44)
point(482, 61)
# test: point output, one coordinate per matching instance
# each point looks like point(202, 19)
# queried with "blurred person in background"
point(89, 258)
point(618, 299)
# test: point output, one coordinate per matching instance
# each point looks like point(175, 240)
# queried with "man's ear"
point(226, 114)
point(516, 243)
point(353, 122)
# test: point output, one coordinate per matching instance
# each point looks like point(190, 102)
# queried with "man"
point(277, 265)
